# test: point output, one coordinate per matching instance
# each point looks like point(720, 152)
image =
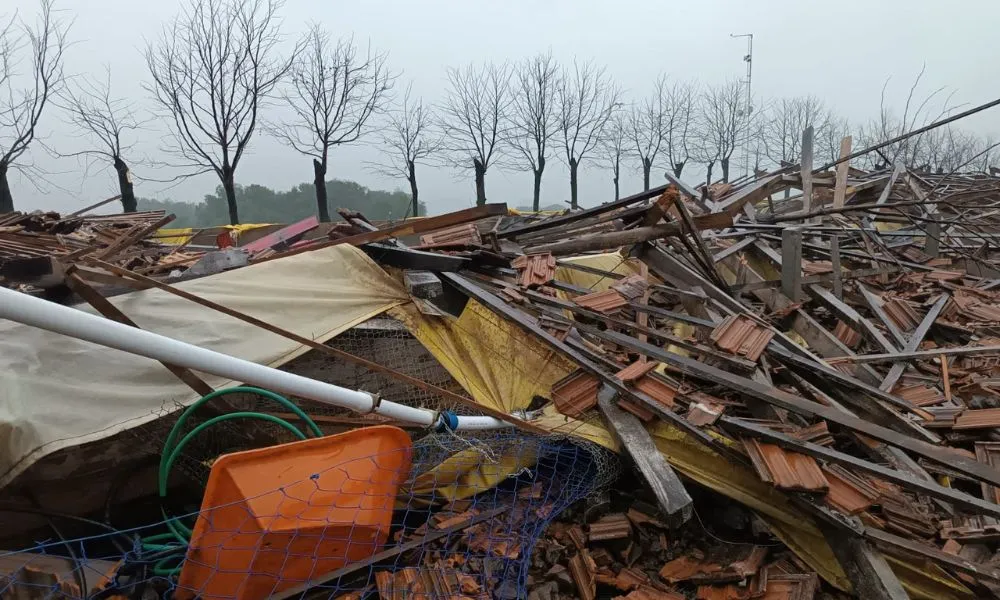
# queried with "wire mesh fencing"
point(366, 514)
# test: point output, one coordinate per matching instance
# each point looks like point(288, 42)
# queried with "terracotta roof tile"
point(791, 587)
point(704, 413)
point(459, 235)
point(849, 493)
point(846, 335)
point(657, 388)
point(902, 314)
point(919, 395)
point(535, 269)
point(989, 453)
point(645, 592)
point(742, 335)
point(636, 370)
point(978, 419)
point(632, 287)
point(605, 302)
point(639, 410)
point(786, 470)
point(576, 393)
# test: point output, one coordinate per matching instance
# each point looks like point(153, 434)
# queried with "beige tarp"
point(57, 392)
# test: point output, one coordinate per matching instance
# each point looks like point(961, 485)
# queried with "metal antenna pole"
point(748, 59)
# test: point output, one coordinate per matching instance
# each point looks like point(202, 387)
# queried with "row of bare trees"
point(220, 65)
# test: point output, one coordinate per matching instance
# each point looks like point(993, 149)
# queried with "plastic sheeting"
point(57, 392)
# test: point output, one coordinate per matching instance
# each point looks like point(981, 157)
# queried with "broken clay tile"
point(583, 579)
point(657, 388)
point(535, 269)
point(459, 235)
point(978, 419)
point(636, 370)
point(639, 410)
point(686, 567)
point(989, 453)
point(615, 526)
point(786, 470)
point(701, 414)
point(848, 493)
point(742, 335)
point(630, 579)
point(722, 592)
point(645, 592)
point(632, 287)
point(603, 302)
point(576, 394)
point(951, 547)
point(802, 586)
point(919, 395)
point(846, 335)
point(902, 314)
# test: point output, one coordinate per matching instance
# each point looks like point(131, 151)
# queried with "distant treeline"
point(261, 204)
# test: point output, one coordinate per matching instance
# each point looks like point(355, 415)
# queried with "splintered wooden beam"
point(806, 168)
point(613, 239)
point(875, 304)
point(840, 187)
point(846, 313)
point(871, 576)
point(791, 262)
point(667, 487)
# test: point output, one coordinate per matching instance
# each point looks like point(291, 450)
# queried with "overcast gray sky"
point(840, 52)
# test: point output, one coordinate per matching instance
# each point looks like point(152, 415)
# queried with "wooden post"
point(840, 186)
point(807, 167)
point(838, 284)
point(932, 239)
point(867, 569)
point(791, 262)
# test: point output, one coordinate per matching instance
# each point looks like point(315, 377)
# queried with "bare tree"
point(682, 101)
point(24, 97)
point(889, 124)
point(648, 123)
point(831, 131)
point(725, 121)
point(212, 69)
point(333, 93)
point(474, 115)
point(588, 98)
point(784, 121)
point(615, 145)
point(533, 116)
point(406, 142)
point(104, 120)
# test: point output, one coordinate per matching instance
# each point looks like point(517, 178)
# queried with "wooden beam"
point(408, 227)
point(791, 262)
point(840, 187)
point(932, 239)
point(918, 336)
point(764, 284)
point(612, 239)
point(733, 249)
point(892, 542)
point(667, 487)
point(870, 574)
point(847, 314)
point(875, 304)
point(806, 169)
point(87, 209)
point(919, 354)
point(838, 283)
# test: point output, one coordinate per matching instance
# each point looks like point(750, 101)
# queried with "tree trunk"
point(646, 166)
point(708, 175)
point(678, 167)
point(616, 170)
point(411, 176)
point(480, 182)
point(536, 199)
point(229, 184)
point(574, 188)
point(6, 200)
point(129, 203)
point(725, 169)
point(319, 182)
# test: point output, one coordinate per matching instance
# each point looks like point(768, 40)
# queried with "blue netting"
point(450, 532)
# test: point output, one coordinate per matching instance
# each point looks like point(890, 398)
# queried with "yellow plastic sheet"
point(504, 368)
point(181, 235)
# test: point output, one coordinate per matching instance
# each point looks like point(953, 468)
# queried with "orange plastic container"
point(276, 517)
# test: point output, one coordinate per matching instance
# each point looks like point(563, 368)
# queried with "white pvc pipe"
point(98, 330)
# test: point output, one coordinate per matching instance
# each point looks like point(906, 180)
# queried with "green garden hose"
point(180, 534)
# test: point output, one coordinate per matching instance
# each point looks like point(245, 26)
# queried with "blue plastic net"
point(461, 520)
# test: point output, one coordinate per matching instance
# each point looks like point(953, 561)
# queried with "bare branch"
point(474, 116)
point(213, 68)
point(725, 123)
point(23, 97)
point(649, 125)
point(533, 116)
point(408, 141)
point(588, 98)
point(614, 147)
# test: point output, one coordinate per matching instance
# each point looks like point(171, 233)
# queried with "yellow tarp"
point(181, 235)
point(504, 368)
